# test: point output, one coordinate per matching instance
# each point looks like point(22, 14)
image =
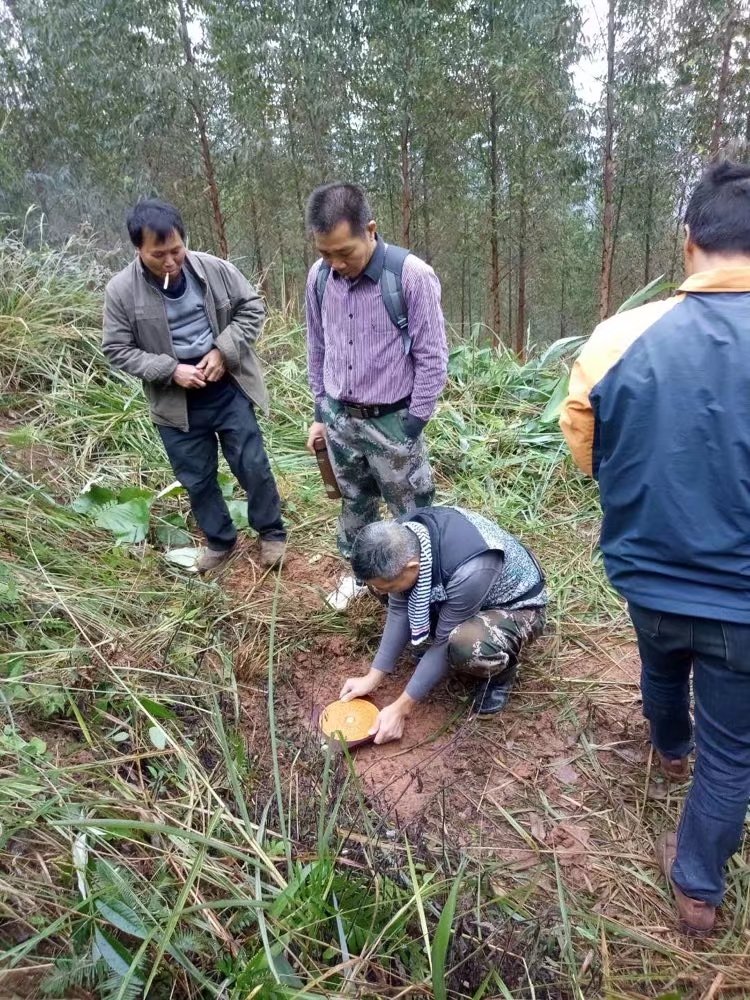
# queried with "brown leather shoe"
point(674, 768)
point(697, 918)
point(271, 552)
point(212, 559)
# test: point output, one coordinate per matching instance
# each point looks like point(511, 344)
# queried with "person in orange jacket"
point(658, 412)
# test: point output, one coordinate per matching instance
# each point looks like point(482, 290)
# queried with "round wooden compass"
point(349, 721)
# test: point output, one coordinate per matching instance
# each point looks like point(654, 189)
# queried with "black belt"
point(377, 410)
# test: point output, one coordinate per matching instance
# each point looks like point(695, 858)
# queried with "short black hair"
point(158, 216)
point(331, 204)
point(718, 213)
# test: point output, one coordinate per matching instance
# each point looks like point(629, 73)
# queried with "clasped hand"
point(210, 368)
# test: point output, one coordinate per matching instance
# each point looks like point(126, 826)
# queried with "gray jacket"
point(137, 340)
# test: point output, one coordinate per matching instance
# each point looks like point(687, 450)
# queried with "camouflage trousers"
point(374, 461)
point(490, 643)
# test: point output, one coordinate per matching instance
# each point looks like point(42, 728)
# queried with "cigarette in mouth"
point(166, 282)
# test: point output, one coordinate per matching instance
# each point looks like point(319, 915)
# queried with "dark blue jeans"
point(221, 414)
point(718, 652)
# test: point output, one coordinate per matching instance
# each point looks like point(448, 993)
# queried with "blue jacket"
point(659, 413)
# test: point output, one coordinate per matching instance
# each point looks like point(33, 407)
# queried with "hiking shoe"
point(345, 592)
point(491, 696)
point(674, 768)
point(272, 551)
point(212, 559)
point(696, 916)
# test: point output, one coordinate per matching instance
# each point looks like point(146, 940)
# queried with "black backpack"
point(390, 288)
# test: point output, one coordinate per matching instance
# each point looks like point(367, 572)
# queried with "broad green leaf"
point(93, 498)
point(128, 522)
point(158, 737)
point(554, 403)
point(238, 512)
point(226, 484)
point(653, 288)
point(560, 348)
point(135, 493)
point(8, 586)
point(158, 711)
point(172, 530)
point(117, 957)
point(121, 916)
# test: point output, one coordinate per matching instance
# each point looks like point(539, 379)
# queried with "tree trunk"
point(426, 214)
point(678, 226)
point(562, 297)
point(649, 226)
point(519, 340)
point(608, 216)
point(494, 221)
point(255, 232)
point(196, 104)
point(297, 187)
point(405, 184)
point(721, 90)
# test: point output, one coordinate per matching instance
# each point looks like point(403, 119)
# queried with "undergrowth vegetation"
point(161, 835)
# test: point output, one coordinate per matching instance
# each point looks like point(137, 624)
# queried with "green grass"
point(162, 831)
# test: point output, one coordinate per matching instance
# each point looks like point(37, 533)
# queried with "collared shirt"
point(356, 354)
point(658, 411)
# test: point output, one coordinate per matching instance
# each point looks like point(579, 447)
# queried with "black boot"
point(491, 696)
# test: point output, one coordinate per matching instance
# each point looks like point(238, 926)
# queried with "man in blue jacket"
point(659, 414)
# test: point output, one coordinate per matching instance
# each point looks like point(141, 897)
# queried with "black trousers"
point(221, 414)
point(718, 655)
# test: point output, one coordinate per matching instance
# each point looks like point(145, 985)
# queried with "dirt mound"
point(306, 580)
point(443, 766)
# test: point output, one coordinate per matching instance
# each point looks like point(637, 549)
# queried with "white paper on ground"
point(348, 588)
point(186, 559)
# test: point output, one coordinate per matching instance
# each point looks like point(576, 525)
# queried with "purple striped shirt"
point(356, 354)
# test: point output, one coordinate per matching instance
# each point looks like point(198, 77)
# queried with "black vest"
point(453, 538)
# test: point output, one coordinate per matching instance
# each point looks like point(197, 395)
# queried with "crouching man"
point(456, 578)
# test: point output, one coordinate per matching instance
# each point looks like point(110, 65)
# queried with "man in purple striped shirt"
point(374, 388)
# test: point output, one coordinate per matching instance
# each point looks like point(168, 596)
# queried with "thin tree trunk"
point(721, 90)
point(200, 120)
point(297, 186)
point(426, 214)
point(563, 272)
point(255, 232)
point(678, 228)
point(494, 212)
point(608, 217)
point(649, 225)
point(519, 345)
point(405, 184)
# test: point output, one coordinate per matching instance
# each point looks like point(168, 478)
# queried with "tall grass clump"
point(148, 844)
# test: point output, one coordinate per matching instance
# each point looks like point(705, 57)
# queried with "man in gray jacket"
point(185, 323)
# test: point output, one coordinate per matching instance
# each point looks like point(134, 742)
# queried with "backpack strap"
point(320, 283)
point(393, 293)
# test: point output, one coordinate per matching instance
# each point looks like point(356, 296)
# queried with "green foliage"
point(181, 846)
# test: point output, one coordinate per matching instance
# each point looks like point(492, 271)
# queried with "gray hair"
point(331, 204)
point(382, 550)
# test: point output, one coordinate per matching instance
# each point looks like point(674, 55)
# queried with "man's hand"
point(360, 687)
point(212, 365)
point(390, 723)
point(317, 430)
point(189, 377)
